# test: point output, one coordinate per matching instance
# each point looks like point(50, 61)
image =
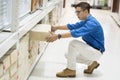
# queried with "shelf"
point(25, 26)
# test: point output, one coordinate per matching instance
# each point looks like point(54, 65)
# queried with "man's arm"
point(54, 28)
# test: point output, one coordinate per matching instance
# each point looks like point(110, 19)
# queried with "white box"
point(1, 69)
point(40, 32)
point(13, 69)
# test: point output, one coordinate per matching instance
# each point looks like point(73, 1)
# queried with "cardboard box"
point(40, 32)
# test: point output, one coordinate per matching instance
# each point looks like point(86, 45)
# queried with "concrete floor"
point(53, 59)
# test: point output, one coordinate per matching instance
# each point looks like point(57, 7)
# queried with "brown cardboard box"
point(40, 32)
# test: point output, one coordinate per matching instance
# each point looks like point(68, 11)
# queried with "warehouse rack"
point(18, 29)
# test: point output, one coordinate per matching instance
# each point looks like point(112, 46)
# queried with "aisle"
point(54, 61)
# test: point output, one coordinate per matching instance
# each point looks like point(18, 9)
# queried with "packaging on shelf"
point(40, 32)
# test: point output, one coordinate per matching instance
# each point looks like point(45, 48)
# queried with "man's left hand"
point(53, 37)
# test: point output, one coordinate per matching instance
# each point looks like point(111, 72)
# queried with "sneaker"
point(66, 73)
point(91, 67)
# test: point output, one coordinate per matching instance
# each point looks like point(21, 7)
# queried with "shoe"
point(66, 73)
point(91, 67)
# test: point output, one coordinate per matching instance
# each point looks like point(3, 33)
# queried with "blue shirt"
point(91, 32)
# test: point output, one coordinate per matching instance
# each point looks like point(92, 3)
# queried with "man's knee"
point(71, 43)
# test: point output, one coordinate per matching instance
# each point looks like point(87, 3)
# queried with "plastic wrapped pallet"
point(40, 32)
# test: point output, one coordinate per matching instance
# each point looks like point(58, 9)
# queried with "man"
point(92, 34)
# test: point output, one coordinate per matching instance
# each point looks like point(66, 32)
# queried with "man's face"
point(82, 14)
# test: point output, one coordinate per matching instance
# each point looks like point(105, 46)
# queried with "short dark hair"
point(83, 5)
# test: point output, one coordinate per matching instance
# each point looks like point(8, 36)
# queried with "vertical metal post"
point(15, 15)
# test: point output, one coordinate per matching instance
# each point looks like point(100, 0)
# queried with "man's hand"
point(53, 37)
point(53, 28)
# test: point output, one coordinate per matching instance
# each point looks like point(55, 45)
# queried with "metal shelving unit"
point(20, 29)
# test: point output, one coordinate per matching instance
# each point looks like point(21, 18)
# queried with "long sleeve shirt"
point(91, 32)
